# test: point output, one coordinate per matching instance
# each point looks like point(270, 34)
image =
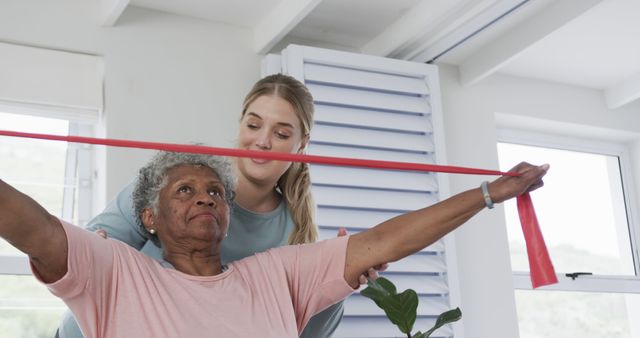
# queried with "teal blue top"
point(249, 232)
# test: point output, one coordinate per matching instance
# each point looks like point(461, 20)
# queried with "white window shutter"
point(376, 108)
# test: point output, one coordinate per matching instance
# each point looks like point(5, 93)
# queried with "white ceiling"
point(590, 43)
point(350, 23)
point(243, 13)
point(598, 49)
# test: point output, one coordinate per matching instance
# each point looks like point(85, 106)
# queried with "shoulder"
point(78, 236)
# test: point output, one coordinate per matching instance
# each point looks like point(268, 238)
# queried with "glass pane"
point(581, 211)
point(35, 167)
point(27, 309)
point(551, 314)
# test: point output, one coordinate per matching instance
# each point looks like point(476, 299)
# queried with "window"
point(55, 174)
point(51, 92)
point(585, 214)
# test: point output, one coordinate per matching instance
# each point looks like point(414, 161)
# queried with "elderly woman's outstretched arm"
point(29, 227)
point(406, 234)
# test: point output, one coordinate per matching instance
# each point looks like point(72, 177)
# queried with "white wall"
point(488, 302)
point(168, 78)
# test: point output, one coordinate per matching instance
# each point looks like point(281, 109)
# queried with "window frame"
point(588, 283)
point(77, 198)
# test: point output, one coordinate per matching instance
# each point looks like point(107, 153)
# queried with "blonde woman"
point(273, 205)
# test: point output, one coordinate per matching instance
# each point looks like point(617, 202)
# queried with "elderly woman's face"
point(192, 208)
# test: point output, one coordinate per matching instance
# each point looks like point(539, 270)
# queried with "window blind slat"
point(384, 178)
point(361, 306)
point(364, 79)
point(372, 118)
point(423, 285)
point(352, 60)
point(339, 150)
point(365, 198)
point(352, 218)
point(368, 99)
point(370, 138)
point(378, 327)
point(419, 262)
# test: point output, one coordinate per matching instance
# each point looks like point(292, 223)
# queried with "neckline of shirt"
point(226, 270)
point(238, 209)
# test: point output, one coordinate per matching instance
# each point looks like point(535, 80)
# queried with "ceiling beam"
point(494, 55)
point(622, 93)
point(416, 23)
point(462, 27)
point(111, 10)
point(279, 22)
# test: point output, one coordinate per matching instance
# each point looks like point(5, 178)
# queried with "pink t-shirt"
point(115, 291)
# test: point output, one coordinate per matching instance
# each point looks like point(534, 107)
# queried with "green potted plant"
point(401, 308)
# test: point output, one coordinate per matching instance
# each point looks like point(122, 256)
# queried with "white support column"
point(277, 24)
point(491, 57)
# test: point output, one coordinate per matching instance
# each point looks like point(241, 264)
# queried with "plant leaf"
point(445, 318)
point(401, 309)
point(386, 284)
point(378, 289)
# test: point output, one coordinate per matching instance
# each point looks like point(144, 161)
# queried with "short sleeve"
point(86, 251)
point(316, 276)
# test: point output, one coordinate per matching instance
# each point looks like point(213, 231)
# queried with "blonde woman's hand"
point(101, 233)
point(372, 273)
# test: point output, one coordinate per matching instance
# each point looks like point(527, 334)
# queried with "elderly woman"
point(183, 203)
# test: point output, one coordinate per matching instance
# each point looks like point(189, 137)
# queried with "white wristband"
point(485, 193)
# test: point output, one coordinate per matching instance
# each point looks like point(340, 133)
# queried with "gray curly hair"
point(153, 177)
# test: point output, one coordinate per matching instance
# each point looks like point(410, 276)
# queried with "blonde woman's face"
point(269, 124)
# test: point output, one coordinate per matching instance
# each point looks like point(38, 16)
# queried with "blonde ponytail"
point(295, 186)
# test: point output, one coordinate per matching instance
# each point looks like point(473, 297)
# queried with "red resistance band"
point(542, 272)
